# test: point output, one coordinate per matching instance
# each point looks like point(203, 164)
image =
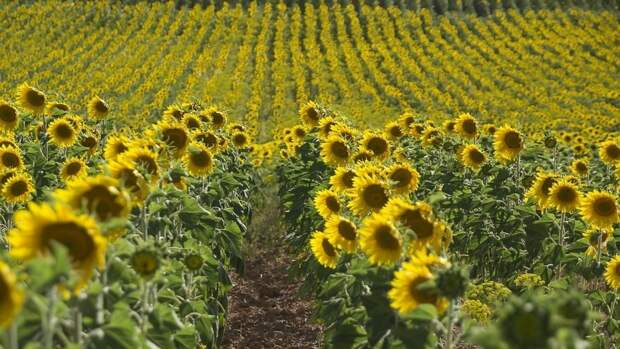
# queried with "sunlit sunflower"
point(299, 132)
point(376, 144)
point(218, 118)
point(466, 126)
point(564, 196)
point(417, 130)
point(599, 209)
point(18, 188)
point(31, 99)
point(342, 179)
point(342, 233)
point(326, 126)
point(73, 168)
point(57, 107)
point(310, 114)
point(8, 117)
point(175, 112)
point(419, 218)
point(192, 121)
point(175, 135)
point(472, 157)
point(609, 151)
point(421, 258)
point(41, 224)
point(98, 108)
point(368, 195)
point(393, 130)
point(326, 203)
point(12, 296)
point(10, 158)
point(406, 120)
point(145, 161)
point(89, 140)
point(115, 145)
point(612, 272)
point(490, 129)
point(597, 241)
point(324, 252)
point(431, 136)
point(209, 139)
point(198, 160)
point(130, 179)
point(579, 167)
point(335, 151)
point(409, 289)
point(508, 144)
point(541, 188)
point(240, 139)
point(62, 133)
point(380, 240)
point(449, 126)
point(403, 178)
point(343, 131)
point(8, 140)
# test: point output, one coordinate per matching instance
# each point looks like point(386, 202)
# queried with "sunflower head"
point(403, 178)
point(508, 144)
point(130, 179)
point(472, 157)
point(412, 287)
point(466, 126)
point(376, 144)
point(198, 160)
point(431, 136)
point(326, 126)
point(564, 196)
point(208, 139)
point(62, 133)
point(541, 188)
point(612, 273)
point(31, 99)
point(174, 112)
point(145, 262)
point(98, 108)
point(449, 126)
point(90, 141)
point(342, 179)
point(406, 120)
point(579, 167)
point(490, 129)
point(599, 209)
point(18, 188)
point(326, 203)
point(369, 194)
point(323, 250)
point(310, 114)
point(240, 139)
point(393, 130)
point(192, 121)
point(597, 240)
point(380, 240)
point(418, 218)
point(175, 135)
point(335, 151)
point(145, 161)
point(57, 107)
point(609, 151)
point(12, 296)
point(116, 144)
point(342, 233)
point(73, 168)
point(10, 158)
point(8, 117)
point(193, 261)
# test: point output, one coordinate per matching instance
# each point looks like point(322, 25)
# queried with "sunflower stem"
point(144, 306)
point(77, 322)
point(598, 249)
point(449, 339)
point(10, 336)
point(50, 320)
point(561, 242)
point(100, 314)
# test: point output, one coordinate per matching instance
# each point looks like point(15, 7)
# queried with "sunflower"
point(175, 135)
point(145, 262)
point(368, 195)
point(380, 240)
point(40, 225)
point(409, 289)
point(612, 272)
point(145, 161)
point(62, 133)
point(75, 120)
point(12, 296)
point(8, 117)
point(10, 158)
point(240, 139)
point(218, 118)
point(53, 107)
point(8, 139)
point(466, 126)
point(417, 130)
point(177, 179)
point(323, 250)
point(564, 196)
point(609, 151)
point(403, 178)
point(579, 167)
point(326, 203)
point(89, 140)
point(174, 112)
point(130, 179)
point(508, 144)
point(597, 240)
point(376, 144)
point(335, 151)
point(198, 160)
point(419, 219)
point(342, 179)
point(472, 157)
point(541, 188)
point(326, 126)
point(449, 125)
point(421, 258)
point(393, 130)
point(18, 188)
point(73, 168)
point(406, 120)
point(209, 139)
point(98, 108)
point(342, 233)
point(599, 209)
point(310, 114)
point(431, 136)
point(490, 129)
point(116, 144)
point(31, 99)
point(192, 121)
point(299, 132)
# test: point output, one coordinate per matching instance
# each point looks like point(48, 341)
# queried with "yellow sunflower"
point(449, 126)
point(8, 139)
point(310, 114)
point(419, 219)
point(376, 144)
point(218, 118)
point(326, 126)
point(596, 239)
point(326, 203)
point(466, 126)
point(472, 157)
point(599, 209)
point(18, 188)
point(8, 117)
point(508, 144)
point(208, 139)
point(380, 240)
point(324, 252)
point(299, 132)
point(406, 120)
point(579, 167)
point(192, 121)
point(335, 151)
point(62, 133)
point(431, 136)
point(403, 178)
point(73, 168)
point(98, 108)
point(609, 151)
point(12, 296)
point(342, 179)
point(89, 140)
point(541, 188)
point(31, 99)
point(10, 158)
point(240, 139)
point(393, 130)
point(198, 160)
point(490, 129)
point(342, 233)
point(175, 135)
point(53, 107)
point(564, 196)
point(612, 273)
point(40, 225)
point(145, 161)
point(116, 144)
point(368, 195)
point(409, 289)
point(130, 179)
point(174, 112)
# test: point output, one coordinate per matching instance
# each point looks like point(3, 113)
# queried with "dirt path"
point(265, 308)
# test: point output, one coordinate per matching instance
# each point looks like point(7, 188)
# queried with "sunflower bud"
point(452, 282)
point(145, 262)
point(550, 141)
point(193, 261)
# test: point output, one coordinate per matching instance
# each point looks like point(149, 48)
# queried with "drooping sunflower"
point(335, 151)
point(310, 114)
point(326, 125)
point(342, 233)
point(380, 240)
point(62, 133)
point(564, 196)
point(342, 179)
point(299, 132)
point(472, 157)
point(403, 178)
point(612, 273)
point(326, 203)
point(57, 107)
point(406, 120)
point(145, 262)
point(376, 144)
point(90, 140)
point(324, 252)
point(31, 99)
point(198, 160)
point(98, 108)
point(175, 135)
point(8, 117)
point(508, 144)
point(209, 139)
point(466, 126)
point(431, 136)
point(174, 112)
point(218, 118)
point(18, 188)
point(579, 167)
point(597, 240)
point(240, 139)
point(116, 144)
point(409, 290)
point(10, 158)
point(541, 188)
point(192, 121)
point(599, 209)
point(609, 151)
point(12, 296)
point(145, 161)
point(73, 168)
point(130, 179)
point(393, 130)
point(418, 217)
point(41, 224)
point(449, 126)
point(368, 195)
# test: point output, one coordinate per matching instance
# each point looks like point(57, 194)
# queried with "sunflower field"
point(447, 172)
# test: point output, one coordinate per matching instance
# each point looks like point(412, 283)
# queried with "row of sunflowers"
point(420, 235)
point(114, 236)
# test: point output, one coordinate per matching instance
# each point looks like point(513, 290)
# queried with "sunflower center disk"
point(332, 203)
point(377, 145)
point(567, 195)
point(100, 200)
point(328, 248)
point(604, 207)
point(613, 151)
point(175, 137)
point(402, 177)
point(7, 114)
point(73, 168)
point(347, 231)
point(35, 98)
point(72, 236)
point(476, 157)
point(513, 140)
point(10, 160)
point(469, 126)
point(385, 239)
point(419, 294)
point(19, 188)
point(374, 196)
point(340, 150)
